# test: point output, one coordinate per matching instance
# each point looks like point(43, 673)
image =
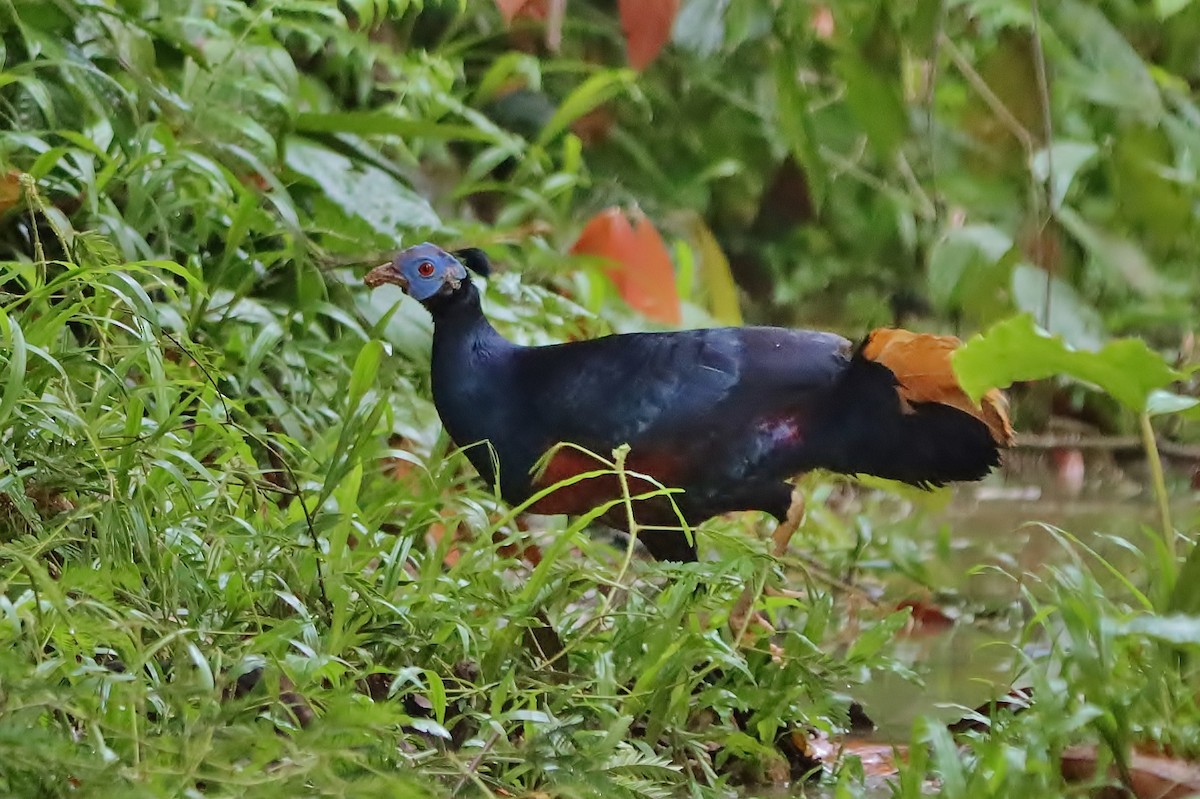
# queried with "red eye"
point(425, 269)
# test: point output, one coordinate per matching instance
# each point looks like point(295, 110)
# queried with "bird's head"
point(425, 271)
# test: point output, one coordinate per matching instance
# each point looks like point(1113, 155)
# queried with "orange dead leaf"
point(512, 9)
point(647, 28)
point(1150, 775)
point(878, 759)
point(10, 189)
point(641, 266)
point(927, 618)
point(921, 363)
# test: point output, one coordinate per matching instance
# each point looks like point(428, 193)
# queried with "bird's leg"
point(740, 619)
point(791, 523)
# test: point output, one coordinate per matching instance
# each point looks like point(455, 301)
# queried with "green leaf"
point(589, 95)
point(1169, 8)
point(716, 276)
point(366, 123)
point(794, 122)
point(1115, 255)
point(876, 100)
point(366, 366)
point(1016, 350)
point(1109, 71)
point(700, 26)
point(959, 257)
point(1066, 158)
point(1163, 403)
point(14, 372)
point(361, 190)
point(1185, 597)
point(1079, 324)
point(1174, 629)
point(874, 93)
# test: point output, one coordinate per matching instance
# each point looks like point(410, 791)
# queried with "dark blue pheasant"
point(727, 414)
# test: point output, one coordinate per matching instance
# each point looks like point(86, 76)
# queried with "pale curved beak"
point(386, 273)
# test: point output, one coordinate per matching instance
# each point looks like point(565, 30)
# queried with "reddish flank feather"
point(584, 495)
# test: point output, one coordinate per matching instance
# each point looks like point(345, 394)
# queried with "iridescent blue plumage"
point(727, 414)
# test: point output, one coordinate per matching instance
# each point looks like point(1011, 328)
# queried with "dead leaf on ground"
point(1151, 776)
point(925, 618)
point(878, 759)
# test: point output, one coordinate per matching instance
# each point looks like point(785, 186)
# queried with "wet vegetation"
point(239, 557)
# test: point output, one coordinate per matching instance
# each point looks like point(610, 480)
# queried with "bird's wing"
point(658, 389)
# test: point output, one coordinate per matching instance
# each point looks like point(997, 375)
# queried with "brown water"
point(968, 663)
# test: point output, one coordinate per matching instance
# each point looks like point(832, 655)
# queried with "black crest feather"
point(474, 259)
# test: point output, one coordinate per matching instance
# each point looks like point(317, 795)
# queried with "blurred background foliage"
point(193, 412)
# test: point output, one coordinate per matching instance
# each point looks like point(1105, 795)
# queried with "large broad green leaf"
point(1016, 350)
point(361, 190)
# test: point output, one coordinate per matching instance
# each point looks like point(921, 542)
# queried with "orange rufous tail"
point(921, 364)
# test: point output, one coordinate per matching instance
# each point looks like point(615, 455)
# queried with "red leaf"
point(647, 28)
point(640, 267)
point(511, 9)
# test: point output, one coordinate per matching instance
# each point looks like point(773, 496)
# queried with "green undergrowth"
point(227, 507)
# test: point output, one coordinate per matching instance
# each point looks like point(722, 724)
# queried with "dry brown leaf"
point(1151, 776)
point(921, 363)
point(10, 189)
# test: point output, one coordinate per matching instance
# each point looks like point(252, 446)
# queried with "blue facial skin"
point(422, 271)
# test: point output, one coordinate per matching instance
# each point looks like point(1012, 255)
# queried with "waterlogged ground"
point(977, 657)
point(974, 652)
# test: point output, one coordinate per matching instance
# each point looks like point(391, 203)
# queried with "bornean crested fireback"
point(729, 415)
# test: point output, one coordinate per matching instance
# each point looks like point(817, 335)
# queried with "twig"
point(470, 774)
point(1171, 449)
point(995, 103)
point(1039, 65)
point(927, 100)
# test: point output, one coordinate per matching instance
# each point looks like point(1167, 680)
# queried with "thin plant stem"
point(1159, 483)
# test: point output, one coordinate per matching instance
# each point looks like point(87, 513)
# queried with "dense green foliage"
point(218, 459)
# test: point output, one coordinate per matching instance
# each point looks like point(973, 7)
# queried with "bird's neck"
point(461, 332)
